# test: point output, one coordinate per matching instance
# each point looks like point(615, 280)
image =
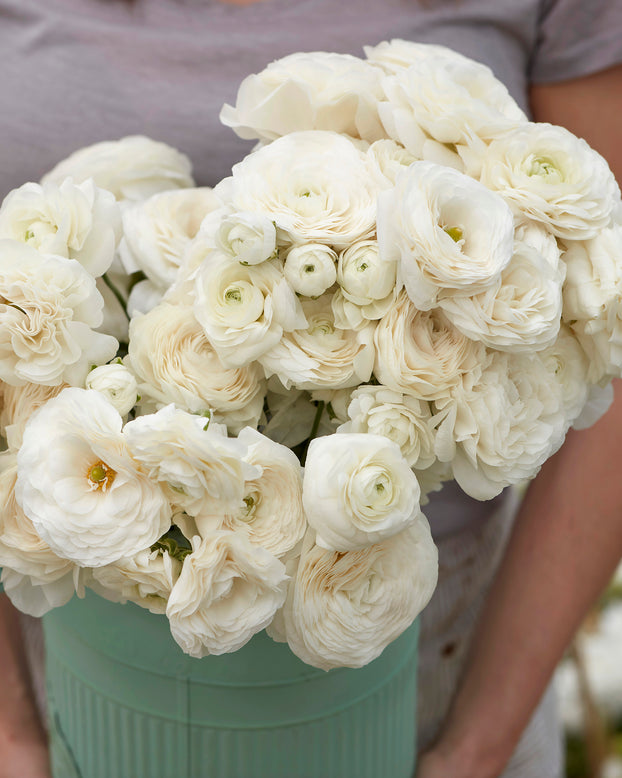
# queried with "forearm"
point(20, 726)
point(566, 543)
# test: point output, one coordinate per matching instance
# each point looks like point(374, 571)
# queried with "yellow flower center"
point(100, 476)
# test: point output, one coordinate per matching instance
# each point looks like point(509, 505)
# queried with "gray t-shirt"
point(79, 71)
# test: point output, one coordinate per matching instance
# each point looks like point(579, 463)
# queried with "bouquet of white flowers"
point(406, 282)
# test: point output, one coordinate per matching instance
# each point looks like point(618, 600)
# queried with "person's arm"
point(23, 746)
point(567, 540)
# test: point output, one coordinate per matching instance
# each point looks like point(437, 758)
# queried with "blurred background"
point(589, 690)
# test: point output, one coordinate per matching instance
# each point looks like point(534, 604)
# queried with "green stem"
point(117, 294)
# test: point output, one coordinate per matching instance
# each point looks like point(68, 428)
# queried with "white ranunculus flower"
point(244, 310)
point(228, 590)
point(593, 275)
point(421, 353)
point(403, 419)
point(271, 514)
point(48, 308)
point(601, 340)
point(132, 168)
point(365, 277)
point(199, 467)
point(249, 238)
point(84, 493)
point(448, 232)
point(351, 316)
point(76, 221)
point(386, 159)
point(116, 383)
point(316, 186)
point(568, 368)
point(396, 55)
point(18, 403)
point(500, 429)
point(34, 577)
point(310, 269)
point(322, 356)
point(358, 489)
point(448, 98)
point(146, 578)
point(344, 608)
point(521, 311)
point(157, 231)
point(175, 363)
point(308, 91)
point(550, 176)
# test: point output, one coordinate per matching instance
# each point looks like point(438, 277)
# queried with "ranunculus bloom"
point(176, 363)
point(421, 353)
point(76, 221)
point(146, 578)
point(358, 489)
point(132, 168)
point(270, 514)
point(322, 356)
point(86, 496)
point(228, 590)
point(549, 175)
point(116, 383)
point(35, 578)
point(49, 307)
point(244, 310)
point(200, 468)
point(310, 269)
point(316, 186)
point(448, 232)
point(157, 231)
point(344, 608)
point(308, 91)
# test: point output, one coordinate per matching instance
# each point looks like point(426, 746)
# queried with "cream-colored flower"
point(550, 176)
point(344, 608)
point(228, 590)
point(403, 419)
point(308, 91)
point(199, 467)
point(244, 310)
point(146, 578)
point(396, 55)
point(386, 159)
point(76, 221)
point(448, 232)
point(421, 353)
point(521, 311)
point(83, 491)
point(48, 309)
point(271, 513)
point(34, 577)
point(18, 403)
point(448, 98)
point(322, 356)
point(249, 238)
point(358, 489)
point(310, 269)
point(568, 367)
point(116, 383)
point(175, 363)
point(157, 231)
point(316, 186)
point(499, 429)
point(132, 168)
point(363, 275)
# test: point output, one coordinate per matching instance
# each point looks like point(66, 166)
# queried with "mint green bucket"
point(126, 702)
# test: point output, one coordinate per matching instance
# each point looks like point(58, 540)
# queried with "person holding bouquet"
point(104, 69)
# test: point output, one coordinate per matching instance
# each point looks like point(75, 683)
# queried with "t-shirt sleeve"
point(576, 38)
